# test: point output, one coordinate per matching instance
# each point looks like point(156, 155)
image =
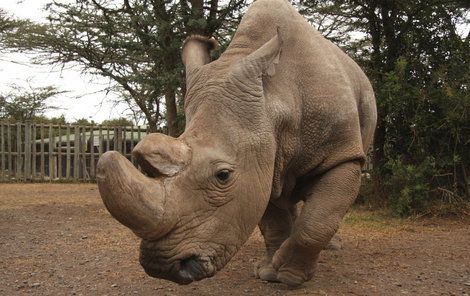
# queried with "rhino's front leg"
point(326, 203)
point(276, 226)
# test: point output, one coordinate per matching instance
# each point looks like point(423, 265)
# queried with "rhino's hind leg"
point(276, 226)
point(327, 201)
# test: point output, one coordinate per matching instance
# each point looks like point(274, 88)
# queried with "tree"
point(7, 23)
point(42, 119)
point(83, 121)
point(117, 122)
point(20, 104)
point(134, 43)
point(418, 64)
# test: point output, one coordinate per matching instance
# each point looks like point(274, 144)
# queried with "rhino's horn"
point(134, 199)
point(196, 53)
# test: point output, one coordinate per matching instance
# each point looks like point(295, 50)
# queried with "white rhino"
point(282, 116)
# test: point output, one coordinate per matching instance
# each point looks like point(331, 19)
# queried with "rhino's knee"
point(315, 238)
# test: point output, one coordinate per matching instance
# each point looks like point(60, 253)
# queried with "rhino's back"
point(260, 24)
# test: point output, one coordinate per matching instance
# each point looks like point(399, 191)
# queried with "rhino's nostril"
point(147, 168)
point(161, 155)
point(193, 268)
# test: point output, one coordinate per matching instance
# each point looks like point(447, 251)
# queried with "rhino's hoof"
point(335, 244)
point(289, 278)
point(266, 273)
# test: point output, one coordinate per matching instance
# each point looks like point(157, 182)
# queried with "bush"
point(408, 186)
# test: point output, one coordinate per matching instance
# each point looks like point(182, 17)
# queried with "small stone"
point(467, 284)
point(114, 285)
point(35, 285)
point(84, 237)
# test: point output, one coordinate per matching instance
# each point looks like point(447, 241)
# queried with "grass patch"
point(377, 219)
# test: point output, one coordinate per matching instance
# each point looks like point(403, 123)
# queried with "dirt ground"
point(58, 239)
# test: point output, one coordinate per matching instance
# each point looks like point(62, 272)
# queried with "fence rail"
point(41, 152)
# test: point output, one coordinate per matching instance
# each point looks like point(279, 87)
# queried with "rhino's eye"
point(223, 175)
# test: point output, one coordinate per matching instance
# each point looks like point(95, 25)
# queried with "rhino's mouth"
point(190, 268)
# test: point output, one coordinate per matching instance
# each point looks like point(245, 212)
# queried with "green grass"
point(378, 219)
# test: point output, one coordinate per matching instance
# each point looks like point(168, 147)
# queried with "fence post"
point(51, 154)
point(100, 144)
point(115, 139)
point(41, 131)
point(67, 160)
point(123, 141)
point(59, 153)
point(139, 137)
point(27, 151)
point(132, 145)
point(108, 137)
point(92, 152)
point(84, 147)
point(18, 151)
point(2, 135)
point(138, 133)
point(76, 154)
point(10, 160)
point(33, 152)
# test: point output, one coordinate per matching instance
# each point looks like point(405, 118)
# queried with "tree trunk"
point(170, 102)
point(197, 13)
point(466, 181)
point(152, 125)
point(378, 162)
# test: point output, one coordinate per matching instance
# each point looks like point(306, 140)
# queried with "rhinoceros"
point(282, 117)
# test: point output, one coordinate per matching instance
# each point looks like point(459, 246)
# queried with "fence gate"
point(35, 152)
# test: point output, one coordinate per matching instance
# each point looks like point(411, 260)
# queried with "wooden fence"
point(38, 152)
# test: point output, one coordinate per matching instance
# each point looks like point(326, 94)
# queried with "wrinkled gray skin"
point(282, 116)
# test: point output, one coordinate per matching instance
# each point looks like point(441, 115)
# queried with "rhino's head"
point(204, 192)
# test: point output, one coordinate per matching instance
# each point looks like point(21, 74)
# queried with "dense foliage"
point(419, 65)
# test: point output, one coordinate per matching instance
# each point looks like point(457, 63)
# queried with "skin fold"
point(283, 116)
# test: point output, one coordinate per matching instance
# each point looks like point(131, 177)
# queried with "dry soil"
point(58, 239)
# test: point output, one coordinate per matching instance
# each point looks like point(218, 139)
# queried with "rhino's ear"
point(196, 53)
point(262, 61)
